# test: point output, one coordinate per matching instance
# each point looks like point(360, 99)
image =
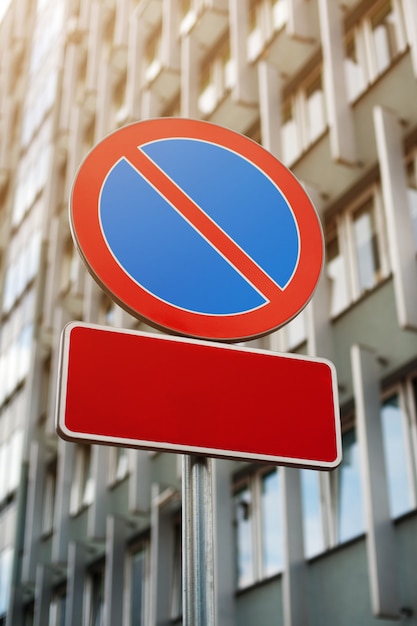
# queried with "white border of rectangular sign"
point(69, 435)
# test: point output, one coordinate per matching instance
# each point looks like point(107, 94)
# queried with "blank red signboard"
point(151, 391)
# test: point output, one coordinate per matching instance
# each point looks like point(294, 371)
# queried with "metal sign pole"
point(198, 549)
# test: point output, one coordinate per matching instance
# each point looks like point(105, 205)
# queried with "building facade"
point(91, 535)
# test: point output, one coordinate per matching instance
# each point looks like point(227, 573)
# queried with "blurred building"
point(91, 535)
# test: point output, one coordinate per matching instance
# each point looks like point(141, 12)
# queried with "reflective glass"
point(395, 456)
point(366, 244)
point(350, 508)
point(244, 532)
point(272, 554)
point(312, 517)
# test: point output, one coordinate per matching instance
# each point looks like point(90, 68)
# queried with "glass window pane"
point(336, 271)
point(272, 556)
point(350, 511)
point(290, 145)
point(312, 518)
point(6, 563)
point(244, 532)
point(385, 31)
point(412, 195)
point(316, 116)
point(279, 13)
point(354, 71)
point(366, 246)
point(395, 456)
point(255, 37)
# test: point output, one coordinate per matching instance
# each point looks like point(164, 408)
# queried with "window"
point(296, 331)
point(356, 251)
point(217, 77)
point(314, 540)
point(396, 437)
point(412, 192)
point(347, 482)
point(258, 527)
point(256, 28)
point(82, 487)
point(354, 67)
point(336, 271)
point(368, 262)
point(279, 13)
point(139, 585)
point(119, 464)
point(6, 565)
point(69, 266)
point(264, 17)
point(303, 117)
point(372, 45)
point(290, 143)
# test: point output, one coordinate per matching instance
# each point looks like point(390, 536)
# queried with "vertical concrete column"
point(380, 531)
point(399, 223)
point(190, 57)
point(339, 112)
point(294, 588)
point(116, 535)
point(75, 585)
point(43, 595)
point(66, 458)
point(95, 35)
point(134, 68)
point(270, 107)
point(33, 526)
point(246, 76)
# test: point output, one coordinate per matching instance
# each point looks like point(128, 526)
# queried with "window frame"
point(253, 483)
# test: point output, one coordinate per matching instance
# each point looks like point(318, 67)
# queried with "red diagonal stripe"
point(202, 223)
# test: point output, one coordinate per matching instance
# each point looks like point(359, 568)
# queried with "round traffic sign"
point(196, 229)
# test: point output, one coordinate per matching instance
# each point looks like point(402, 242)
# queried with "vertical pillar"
point(246, 77)
point(339, 112)
point(400, 228)
point(189, 76)
point(380, 531)
point(270, 107)
point(76, 584)
point(116, 533)
point(43, 595)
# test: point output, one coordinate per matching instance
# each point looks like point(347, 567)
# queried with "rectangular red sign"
point(150, 391)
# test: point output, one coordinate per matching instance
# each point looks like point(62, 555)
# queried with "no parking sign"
point(196, 229)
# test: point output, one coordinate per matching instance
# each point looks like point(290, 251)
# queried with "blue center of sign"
point(170, 258)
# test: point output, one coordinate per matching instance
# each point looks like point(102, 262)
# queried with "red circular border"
point(86, 230)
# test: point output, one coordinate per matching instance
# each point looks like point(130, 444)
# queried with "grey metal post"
point(197, 545)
